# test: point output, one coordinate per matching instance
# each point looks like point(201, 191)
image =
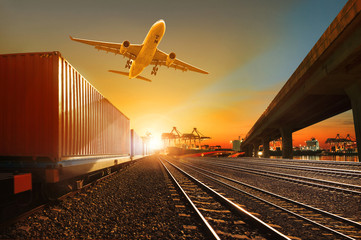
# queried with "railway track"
point(222, 218)
point(332, 225)
point(346, 173)
point(329, 171)
point(314, 182)
point(299, 162)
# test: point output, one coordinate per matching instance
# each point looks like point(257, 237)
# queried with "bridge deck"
point(317, 89)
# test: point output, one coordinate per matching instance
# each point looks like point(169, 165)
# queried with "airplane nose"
point(160, 24)
point(135, 70)
point(161, 21)
point(132, 73)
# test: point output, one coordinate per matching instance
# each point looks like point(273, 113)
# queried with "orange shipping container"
point(137, 145)
point(48, 110)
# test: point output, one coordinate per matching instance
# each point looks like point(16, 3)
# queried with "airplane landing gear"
point(129, 63)
point(155, 70)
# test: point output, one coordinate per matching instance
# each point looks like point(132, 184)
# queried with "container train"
point(56, 129)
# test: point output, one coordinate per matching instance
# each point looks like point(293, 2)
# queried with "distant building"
point(215, 147)
point(236, 145)
point(312, 145)
point(276, 145)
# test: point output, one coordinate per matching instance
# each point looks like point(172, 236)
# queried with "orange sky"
point(249, 47)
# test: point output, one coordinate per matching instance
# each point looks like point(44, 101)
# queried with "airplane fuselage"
point(144, 54)
point(148, 50)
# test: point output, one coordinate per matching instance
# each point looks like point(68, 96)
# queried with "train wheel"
point(107, 171)
point(24, 199)
point(52, 191)
point(8, 212)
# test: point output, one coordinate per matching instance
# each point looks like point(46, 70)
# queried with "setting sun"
point(155, 143)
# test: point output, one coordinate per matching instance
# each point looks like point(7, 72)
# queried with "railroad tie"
point(213, 210)
point(184, 215)
point(180, 206)
point(190, 227)
point(235, 236)
point(215, 220)
point(239, 222)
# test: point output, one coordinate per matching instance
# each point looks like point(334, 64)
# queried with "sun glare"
point(155, 143)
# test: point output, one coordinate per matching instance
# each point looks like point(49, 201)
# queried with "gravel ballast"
point(133, 204)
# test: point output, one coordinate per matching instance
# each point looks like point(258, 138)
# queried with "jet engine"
point(170, 59)
point(124, 47)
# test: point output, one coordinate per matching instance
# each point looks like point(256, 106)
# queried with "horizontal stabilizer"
point(127, 74)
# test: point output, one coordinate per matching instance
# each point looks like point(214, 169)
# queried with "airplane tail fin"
point(127, 74)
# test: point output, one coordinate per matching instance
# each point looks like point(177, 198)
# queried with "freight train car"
point(55, 127)
point(137, 145)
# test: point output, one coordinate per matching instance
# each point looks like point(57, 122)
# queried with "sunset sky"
point(250, 48)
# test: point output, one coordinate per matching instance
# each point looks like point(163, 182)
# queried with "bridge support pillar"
point(354, 93)
point(250, 150)
point(266, 152)
point(287, 149)
point(246, 150)
point(255, 149)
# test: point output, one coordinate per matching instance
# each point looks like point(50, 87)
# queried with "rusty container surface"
point(48, 110)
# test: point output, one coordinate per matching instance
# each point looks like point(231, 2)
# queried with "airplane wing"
point(160, 59)
point(132, 51)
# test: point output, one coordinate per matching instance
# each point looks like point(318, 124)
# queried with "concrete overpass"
point(326, 83)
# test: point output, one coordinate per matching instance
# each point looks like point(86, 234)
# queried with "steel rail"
point(320, 162)
point(211, 232)
point(288, 177)
point(334, 216)
point(346, 172)
point(279, 207)
point(273, 233)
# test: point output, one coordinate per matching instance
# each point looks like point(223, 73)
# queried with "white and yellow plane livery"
point(141, 55)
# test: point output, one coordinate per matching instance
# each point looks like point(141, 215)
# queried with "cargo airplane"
point(142, 55)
